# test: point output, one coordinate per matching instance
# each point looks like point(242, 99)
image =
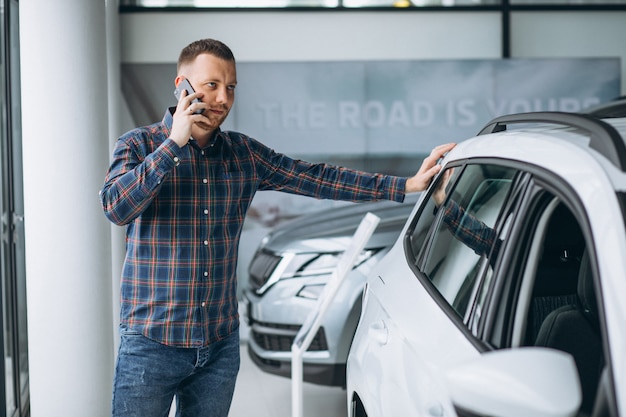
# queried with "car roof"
point(555, 141)
point(604, 137)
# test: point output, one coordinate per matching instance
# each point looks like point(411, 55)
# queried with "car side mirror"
point(519, 382)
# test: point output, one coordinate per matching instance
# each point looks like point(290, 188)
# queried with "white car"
point(504, 294)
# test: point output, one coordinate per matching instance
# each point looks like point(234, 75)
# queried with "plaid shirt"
point(184, 209)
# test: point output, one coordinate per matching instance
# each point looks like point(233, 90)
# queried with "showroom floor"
point(260, 394)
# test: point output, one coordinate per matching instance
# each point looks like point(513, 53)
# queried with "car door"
point(419, 301)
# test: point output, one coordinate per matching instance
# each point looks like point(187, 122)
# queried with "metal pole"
point(313, 322)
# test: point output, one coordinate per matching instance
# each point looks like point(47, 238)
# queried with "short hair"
point(205, 46)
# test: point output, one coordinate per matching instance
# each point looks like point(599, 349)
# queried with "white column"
point(117, 127)
point(68, 240)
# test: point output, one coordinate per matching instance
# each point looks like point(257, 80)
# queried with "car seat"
point(556, 279)
point(575, 329)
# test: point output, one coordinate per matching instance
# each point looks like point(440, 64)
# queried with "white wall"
point(360, 35)
point(570, 34)
point(306, 36)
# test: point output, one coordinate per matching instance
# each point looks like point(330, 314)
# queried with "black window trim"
point(541, 181)
point(416, 266)
point(516, 199)
point(541, 184)
point(510, 267)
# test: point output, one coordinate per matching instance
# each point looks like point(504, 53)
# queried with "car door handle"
point(379, 332)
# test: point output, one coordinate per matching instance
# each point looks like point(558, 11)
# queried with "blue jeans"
point(148, 375)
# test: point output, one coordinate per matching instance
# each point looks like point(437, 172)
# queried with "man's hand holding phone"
point(188, 111)
point(185, 85)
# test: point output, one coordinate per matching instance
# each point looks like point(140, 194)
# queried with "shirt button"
point(206, 274)
point(176, 160)
point(204, 180)
point(202, 152)
point(203, 304)
point(206, 242)
point(206, 211)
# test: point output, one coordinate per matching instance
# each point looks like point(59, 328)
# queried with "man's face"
point(216, 78)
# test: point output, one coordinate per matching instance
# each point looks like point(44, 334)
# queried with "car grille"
point(261, 268)
point(282, 342)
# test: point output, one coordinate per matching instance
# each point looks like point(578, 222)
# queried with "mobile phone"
point(186, 85)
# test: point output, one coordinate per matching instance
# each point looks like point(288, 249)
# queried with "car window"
point(426, 217)
point(481, 305)
point(462, 234)
point(550, 292)
point(541, 273)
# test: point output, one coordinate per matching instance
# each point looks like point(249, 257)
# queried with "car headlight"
point(303, 265)
point(299, 265)
point(323, 264)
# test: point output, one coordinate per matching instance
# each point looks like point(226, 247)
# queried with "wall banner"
point(387, 108)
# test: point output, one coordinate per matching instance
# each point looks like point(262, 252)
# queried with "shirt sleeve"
point(135, 176)
point(282, 173)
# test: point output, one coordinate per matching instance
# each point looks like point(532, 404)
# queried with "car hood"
point(331, 230)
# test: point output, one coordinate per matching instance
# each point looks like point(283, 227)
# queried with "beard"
point(215, 121)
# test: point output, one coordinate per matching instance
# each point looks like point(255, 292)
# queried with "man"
point(182, 188)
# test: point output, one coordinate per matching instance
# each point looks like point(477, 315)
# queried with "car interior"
point(562, 309)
